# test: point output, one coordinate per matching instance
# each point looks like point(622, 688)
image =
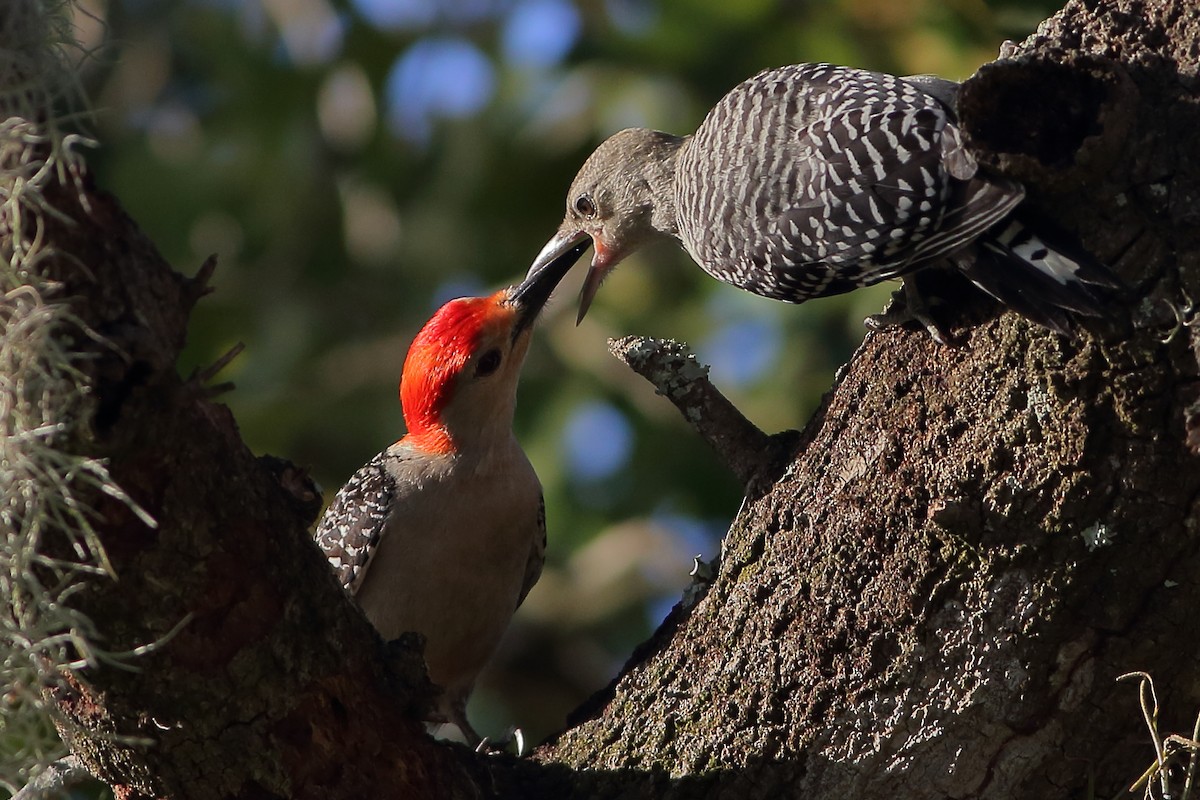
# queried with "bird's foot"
point(901, 315)
point(512, 737)
point(457, 716)
point(906, 306)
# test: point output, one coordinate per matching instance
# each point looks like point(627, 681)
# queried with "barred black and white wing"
point(352, 527)
point(813, 179)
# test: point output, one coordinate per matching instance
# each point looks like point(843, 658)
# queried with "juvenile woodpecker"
point(812, 180)
point(444, 532)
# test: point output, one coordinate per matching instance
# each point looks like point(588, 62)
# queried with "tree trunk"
point(935, 599)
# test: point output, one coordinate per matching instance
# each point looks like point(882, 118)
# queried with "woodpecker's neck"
point(466, 428)
point(433, 440)
point(660, 182)
point(480, 429)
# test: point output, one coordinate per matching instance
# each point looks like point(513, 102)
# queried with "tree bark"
point(262, 680)
point(935, 599)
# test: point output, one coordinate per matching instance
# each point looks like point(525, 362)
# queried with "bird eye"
point(489, 362)
point(585, 206)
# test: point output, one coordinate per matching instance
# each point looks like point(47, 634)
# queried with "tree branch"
point(937, 596)
point(671, 367)
point(934, 600)
point(273, 674)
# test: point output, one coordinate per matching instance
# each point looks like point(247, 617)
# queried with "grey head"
point(622, 197)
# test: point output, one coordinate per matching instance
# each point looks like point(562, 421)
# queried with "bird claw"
point(894, 317)
point(906, 306)
point(513, 735)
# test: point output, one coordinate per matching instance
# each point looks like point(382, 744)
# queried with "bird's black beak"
point(564, 242)
point(548, 270)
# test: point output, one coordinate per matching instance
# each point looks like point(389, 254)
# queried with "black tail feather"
point(992, 273)
point(1041, 275)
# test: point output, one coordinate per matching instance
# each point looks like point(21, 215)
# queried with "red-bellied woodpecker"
point(812, 180)
point(444, 532)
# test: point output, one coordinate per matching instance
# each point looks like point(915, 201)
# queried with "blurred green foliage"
point(302, 143)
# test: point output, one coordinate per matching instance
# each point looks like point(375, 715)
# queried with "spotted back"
point(811, 180)
point(351, 529)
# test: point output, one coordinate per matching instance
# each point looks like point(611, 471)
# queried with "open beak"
point(530, 296)
point(565, 242)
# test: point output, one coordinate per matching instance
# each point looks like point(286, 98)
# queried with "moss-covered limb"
point(44, 395)
point(167, 610)
point(282, 688)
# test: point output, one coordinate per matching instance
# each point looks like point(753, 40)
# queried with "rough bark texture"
point(274, 685)
point(933, 601)
point(973, 543)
